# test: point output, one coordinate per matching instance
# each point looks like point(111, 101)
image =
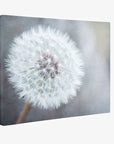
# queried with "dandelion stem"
point(24, 113)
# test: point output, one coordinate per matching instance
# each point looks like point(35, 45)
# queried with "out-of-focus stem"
point(24, 113)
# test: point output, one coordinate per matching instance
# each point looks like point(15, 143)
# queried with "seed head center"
point(48, 67)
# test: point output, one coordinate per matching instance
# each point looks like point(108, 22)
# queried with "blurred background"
point(93, 40)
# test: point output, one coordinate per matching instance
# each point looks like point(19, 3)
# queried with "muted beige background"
point(92, 38)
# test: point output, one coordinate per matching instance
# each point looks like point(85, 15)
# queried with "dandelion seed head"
point(45, 67)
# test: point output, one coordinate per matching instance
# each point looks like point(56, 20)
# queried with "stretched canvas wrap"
point(53, 68)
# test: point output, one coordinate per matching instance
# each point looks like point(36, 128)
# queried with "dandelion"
point(45, 67)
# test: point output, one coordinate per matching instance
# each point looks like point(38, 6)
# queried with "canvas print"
point(53, 68)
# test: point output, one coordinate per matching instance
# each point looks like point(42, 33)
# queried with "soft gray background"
point(92, 38)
